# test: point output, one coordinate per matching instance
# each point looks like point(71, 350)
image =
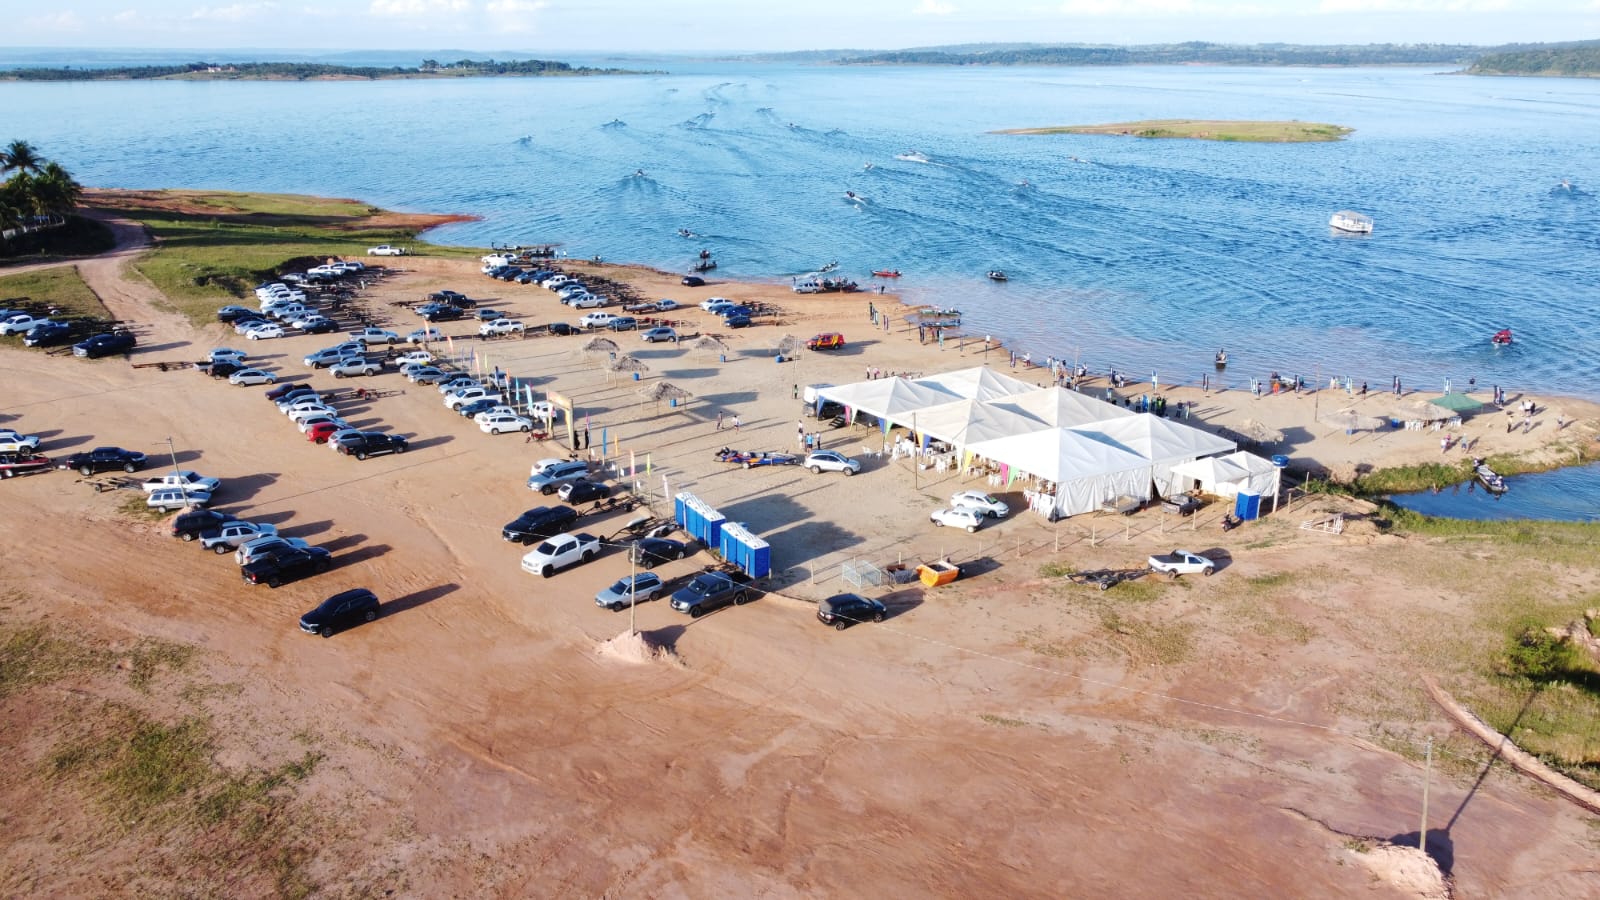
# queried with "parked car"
point(285, 389)
point(1181, 562)
point(988, 504)
point(276, 571)
point(660, 333)
point(441, 314)
point(183, 478)
point(386, 250)
point(958, 517)
point(14, 464)
point(640, 587)
point(101, 459)
point(424, 335)
point(692, 281)
point(319, 432)
point(46, 334)
point(17, 442)
point(323, 420)
point(665, 305)
point(488, 315)
point(373, 335)
point(469, 394)
point(587, 301)
point(562, 328)
point(427, 375)
point(269, 545)
point(498, 422)
point(623, 323)
point(715, 305)
point(486, 405)
point(737, 322)
point(226, 354)
point(456, 382)
point(583, 491)
point(265, 332)
point(708, 592)
point(22, 323)
point(560, 552)
point(227, 536)
point(171, 498)
point(414, 356)
point(539, 522)
point(243, 324)
point(843, 610)
point(222, 369)
point(252, 376)
point(819, 461)
point(231, 311)
point(189, 525)
point(545, 411)
point(317, 324)
point(343, 610)
point(736, 310)
point(350, 368)
point(650, 552)
point(501, 326)
point(373, 443)
point(549, 479)
point(105, 345)
point(596, 319)
point(830, 340)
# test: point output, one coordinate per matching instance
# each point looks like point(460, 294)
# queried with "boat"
point(1492, 482)
point(1221, 359)
point(684, 232)
point(614, 123)
point(853, 197)
point(705, 265)
point(885, 273)
point(1351, 221)
point(997, 275)
point(911, 156)
point(829, 267)
point(1501, 338)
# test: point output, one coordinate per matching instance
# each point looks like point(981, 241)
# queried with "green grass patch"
point(60, 286)
point(33, 655)
point(1056, 570)
point(80, 236)
point(1003, 721)
point(134, 506)
point(1148, 643)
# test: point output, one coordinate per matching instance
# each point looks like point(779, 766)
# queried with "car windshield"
point(546, 549)
point(622, 586)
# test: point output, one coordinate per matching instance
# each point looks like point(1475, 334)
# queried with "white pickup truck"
point(184, 479)
point(386, 250)
point(1181, 562)
point(371, 335)
point(559, 552)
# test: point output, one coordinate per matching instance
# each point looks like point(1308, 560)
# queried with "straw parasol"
point(1418, 411)
point(626, 363)
point(789, 345)
point(1348, 420)
point(709, 343)
point(663, 390)
point(600, 345)
point(1260, 431)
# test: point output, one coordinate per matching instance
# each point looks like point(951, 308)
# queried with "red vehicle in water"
point(832, 340)
point(1501, 337)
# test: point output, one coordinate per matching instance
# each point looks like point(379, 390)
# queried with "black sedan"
point(539, 522)
point(101, 459)
point(342, 610)
point(693, 281)
point(283, 568)
point(372, 443)
point(581, 491)
point(230, 313)
point(105, 344)
point(648, 552)
point(47, 333)
point(843, 610)
point(188, 525)
point(737, 322)
point(562, 328)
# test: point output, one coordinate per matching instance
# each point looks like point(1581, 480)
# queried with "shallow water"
point(1139, 255)
point(1569, 495)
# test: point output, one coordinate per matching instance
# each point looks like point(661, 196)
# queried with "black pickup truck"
point(712, 591)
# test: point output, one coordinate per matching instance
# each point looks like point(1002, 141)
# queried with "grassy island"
point(1204, 129)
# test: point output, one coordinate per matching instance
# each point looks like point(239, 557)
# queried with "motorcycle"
point(1230, 522)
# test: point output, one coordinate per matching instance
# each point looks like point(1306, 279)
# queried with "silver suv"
point(553, 476)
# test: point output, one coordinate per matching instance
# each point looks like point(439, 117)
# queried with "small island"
point(1204, 129)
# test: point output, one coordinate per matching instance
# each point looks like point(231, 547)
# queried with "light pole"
point(633, 596)
point(174, 454)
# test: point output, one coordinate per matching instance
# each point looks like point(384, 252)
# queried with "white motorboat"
point(1351, 221)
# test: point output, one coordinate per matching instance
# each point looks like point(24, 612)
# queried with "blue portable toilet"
point(751, 554)
point(1247, 506)
point(711, 524)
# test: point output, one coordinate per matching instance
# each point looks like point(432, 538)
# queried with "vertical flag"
point(605, 442)
point(633, 466)
point(647, 468)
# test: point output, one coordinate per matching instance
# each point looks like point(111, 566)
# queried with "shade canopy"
point(600, 345)
point(1086, 471)
point(1161, 442)
point(978, 383)
point(890, 399)
point(663, 390)
point(1235, 473)
point(1058, 407)
point(1457, 403)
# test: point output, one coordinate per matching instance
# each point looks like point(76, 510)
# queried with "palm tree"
point(21, 157)
point(55, 191)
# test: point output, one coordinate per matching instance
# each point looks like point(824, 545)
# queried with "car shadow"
point(362, 554)
point(185, 456)
point(158, 348)
point(366, 423)
point(900, 602)
point(344, 542)
point(982, 565)
point(271, 518)
point(63, 444)
point(238, 490)
point(665, 637)
point(419, 598)
point(302, 531)
point(433, 441)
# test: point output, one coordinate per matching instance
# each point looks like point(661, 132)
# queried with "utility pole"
point(174, 454)
point(633, 597)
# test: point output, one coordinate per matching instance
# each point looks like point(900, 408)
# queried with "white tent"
point(1086, 471)
point(979, 383)
point(1235, 473)
point(1058, 407)
point(892, 400)
point(967, 422)
point(1162, 442)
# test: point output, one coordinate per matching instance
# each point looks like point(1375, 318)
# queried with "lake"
point(1139, 255)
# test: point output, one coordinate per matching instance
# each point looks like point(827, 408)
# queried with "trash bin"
point(780, 357)
point(723, 357)
point(672, 402)
point(1280, 461)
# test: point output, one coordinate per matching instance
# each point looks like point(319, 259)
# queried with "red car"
point(320, 432)
point(833, 340)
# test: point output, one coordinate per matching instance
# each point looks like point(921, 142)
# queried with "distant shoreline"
point(288, 71)
point(1290, 132)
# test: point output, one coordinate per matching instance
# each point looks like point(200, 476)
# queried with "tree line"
point(1186, 53)
point(36, 190)
point(1577, 61)
point(301, 70)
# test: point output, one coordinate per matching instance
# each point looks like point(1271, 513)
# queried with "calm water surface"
point(1143, 255)
point(1571, 495)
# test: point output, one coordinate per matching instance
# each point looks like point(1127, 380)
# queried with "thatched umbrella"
point(789, 345)
point(1260, 432)
point(710, 344)
point(600, 345)
point(626, 363)
point(662, 390)
point(1420, 411)
point(1348, 420)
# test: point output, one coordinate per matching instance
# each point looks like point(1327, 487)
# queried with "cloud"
point(934, 8)
point(1413, 6)
point(1128, 9)
point(235, 13)
point(61, 21)
point(502, 7)
point(417, 9)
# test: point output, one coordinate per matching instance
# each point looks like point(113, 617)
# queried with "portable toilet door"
point(1247, 506)
point(712, 524)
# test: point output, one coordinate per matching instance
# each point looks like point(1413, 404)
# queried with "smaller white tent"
point(1235, 473)
point(892, 400)
point(1087, 472)
point(1163, 442)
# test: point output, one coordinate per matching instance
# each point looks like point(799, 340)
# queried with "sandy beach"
point(1008, 734)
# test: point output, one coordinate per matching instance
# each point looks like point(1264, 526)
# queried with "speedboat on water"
point(1492, 482)
point(684, 232)
point(1501, 338)
point(829, 267)
point(911, 156)
point(1351, 221)
point(997, 275)
point(885, 273)
point(614, 123)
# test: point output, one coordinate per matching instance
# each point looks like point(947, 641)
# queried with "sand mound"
point(635, 648)
point(1407, 869)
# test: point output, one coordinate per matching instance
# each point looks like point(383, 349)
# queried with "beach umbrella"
point(626, 363)
point(1348, 420)
point(600, 345)
point(663, 390)
point(1260, 432)
point(789, 345)
point(1416, 411)
point(708, 343)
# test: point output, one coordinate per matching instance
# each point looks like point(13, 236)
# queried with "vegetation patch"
point(1148, 643)
point(1003, 721)
point(135, 507)
point(1205, 129)
point(59, 287)
point(78, 236)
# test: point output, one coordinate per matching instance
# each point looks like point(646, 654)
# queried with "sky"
point(550, 27)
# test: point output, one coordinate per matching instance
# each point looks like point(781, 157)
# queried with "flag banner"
point(647, 467)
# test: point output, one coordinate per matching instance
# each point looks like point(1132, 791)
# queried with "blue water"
point(1571, 495)
point(1140, 255)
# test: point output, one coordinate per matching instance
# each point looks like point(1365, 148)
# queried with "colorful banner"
point(647, 467)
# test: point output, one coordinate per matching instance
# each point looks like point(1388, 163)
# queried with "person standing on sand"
point(735, 423)
point(719, 420)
